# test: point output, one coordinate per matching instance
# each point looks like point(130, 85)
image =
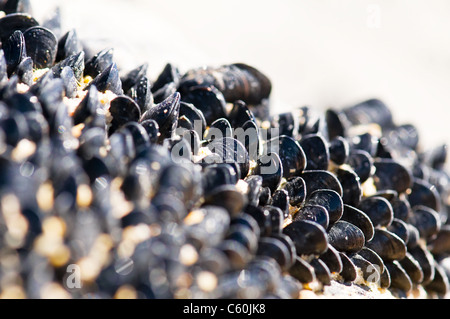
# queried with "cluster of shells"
point(94, 202)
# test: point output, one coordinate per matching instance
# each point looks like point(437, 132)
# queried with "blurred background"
point(322, 53)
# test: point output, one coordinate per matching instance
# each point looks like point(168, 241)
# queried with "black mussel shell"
point(108, 80)
point(337, 124)
point(141, 94)
point(362, 163)
point(87, 107)
point(369, 271)
point(75, 62)
point(15, 51)
point(256, 88)
point(436, 157)
point(329, 199)
point(208, 100)
point(291, 154)
point(364, 142)
point(322, 271)
point(426, 220)
point(248, 221)
point(194, 115)
point(302, 271)
point(70, 82)
point(218, 174)
point(274, 248)
point(166, 115)
point(346, 237)
point(220, 128)
point(240, 113)
point(316, 180)
point(164, 92)
point(349, 270)
point(231, 151)
point(424, 193)
point(412, 268)
point(25, 71)
point(284, 122)
point(400, 228)
point(440, 283)
point(123, 110)
point(229, 197)
point(248, 135)
point(296, 189)
point(310, 121)
point(425, 260)
point(254, 183)
point(316, 151)
point(399, 278)
point(134, 76)
point(280, 199)
point(387, 245)
point(351, 186)
point(372, 257)
point(170, 74)
point(99, 62)
point(13, 22)
point(389, 174)
point(14, 6)
point(401, 208)
point(370, 111)
point(360, 219)
point(308, 237)
point(263, 217)
point(339, 150)
point(68, 45)
point(413, 235)
point(316, 213)
point(269, 166)
point(378, 209)
point(140, 136)
point(265, 196)
point(42, 46)
point(244, 236)
point(332, 259)
point(152, 128)
point(441, 243)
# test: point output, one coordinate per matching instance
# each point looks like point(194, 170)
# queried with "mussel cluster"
point(190, 186)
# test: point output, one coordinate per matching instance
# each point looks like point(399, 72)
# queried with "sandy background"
point(323, 53)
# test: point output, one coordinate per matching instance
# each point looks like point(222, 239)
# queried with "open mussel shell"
point(15, 21)
point(308, 237)
point(346, 237)
point(387, 245)
point(231, 150)
point(316, 180)
point(378, 209)
point(389, 174)
point(42, 46)
point(291, 154)
point(316, 150)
